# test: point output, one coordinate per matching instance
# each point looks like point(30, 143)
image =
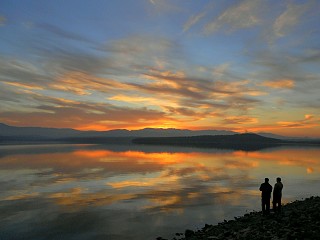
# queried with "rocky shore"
point(298, 220)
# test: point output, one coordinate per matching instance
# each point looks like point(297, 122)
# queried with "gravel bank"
point(298, 220)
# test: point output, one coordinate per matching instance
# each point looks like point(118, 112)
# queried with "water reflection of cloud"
point(181, 178)
point(236, 164)
point(21, 196)
point(100, 183)
point(295, 157)
point(38, 218)
point(76, 199)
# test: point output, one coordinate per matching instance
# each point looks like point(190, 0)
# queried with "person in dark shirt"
point(266, 190)
point(277, 194)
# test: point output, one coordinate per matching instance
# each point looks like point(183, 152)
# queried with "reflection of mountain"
point(246, 141)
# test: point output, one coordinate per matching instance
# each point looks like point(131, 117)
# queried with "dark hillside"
point(247, 141)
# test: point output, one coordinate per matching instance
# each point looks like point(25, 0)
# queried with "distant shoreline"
point(298, 220)
point(245, 142)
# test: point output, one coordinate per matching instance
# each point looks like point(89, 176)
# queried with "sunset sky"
point(108, 64)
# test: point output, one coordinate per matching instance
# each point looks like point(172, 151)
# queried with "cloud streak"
point(243, 15)
point(2, 20)
point(290, 18)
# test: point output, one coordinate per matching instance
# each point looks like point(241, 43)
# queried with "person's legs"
point(274, 205)
point(263, 206)
point(267, 206)
point(279, 204)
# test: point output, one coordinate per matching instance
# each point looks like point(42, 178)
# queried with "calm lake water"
point(134, 192)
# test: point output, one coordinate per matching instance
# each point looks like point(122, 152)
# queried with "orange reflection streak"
point(165, 201)
point(160, 182)
point(141, 161)
point(92, 154)
point(105, 156)
point(310, 170)
point(161, 158)
point(76, 198)
point(21, 196)
point(288, 157)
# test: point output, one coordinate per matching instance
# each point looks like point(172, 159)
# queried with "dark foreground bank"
point(298, 220)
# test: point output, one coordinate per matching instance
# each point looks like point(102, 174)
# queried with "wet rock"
point(188, 234)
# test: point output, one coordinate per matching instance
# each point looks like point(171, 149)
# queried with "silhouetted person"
point(266, 190)
point(277, 194)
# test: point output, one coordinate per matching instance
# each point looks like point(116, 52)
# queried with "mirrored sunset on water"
point(92, 191)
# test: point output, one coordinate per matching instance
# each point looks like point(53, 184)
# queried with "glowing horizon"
point(243, 66)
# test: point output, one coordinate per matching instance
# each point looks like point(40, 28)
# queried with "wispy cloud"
point(308, 122)
point(84, 84)
point(240, 120)
point(290, 18)
point(193, 20)
point(243, 15)
point(16, 70)
point(2, 20)
point(164, 6)
point(61, 33)
point(24, 85)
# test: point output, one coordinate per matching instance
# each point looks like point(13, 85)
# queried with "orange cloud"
point(146, 101)
point(307, 122)
point(82, 83)
point(281, 83)
point(240, 120)
point(308, 116)
point(24, 85)
point(309, 126)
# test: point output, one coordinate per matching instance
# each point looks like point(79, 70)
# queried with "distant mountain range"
point(12, 133)
point(149, 136)
point(54, 133)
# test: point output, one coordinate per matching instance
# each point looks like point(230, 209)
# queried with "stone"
point(188, 233)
